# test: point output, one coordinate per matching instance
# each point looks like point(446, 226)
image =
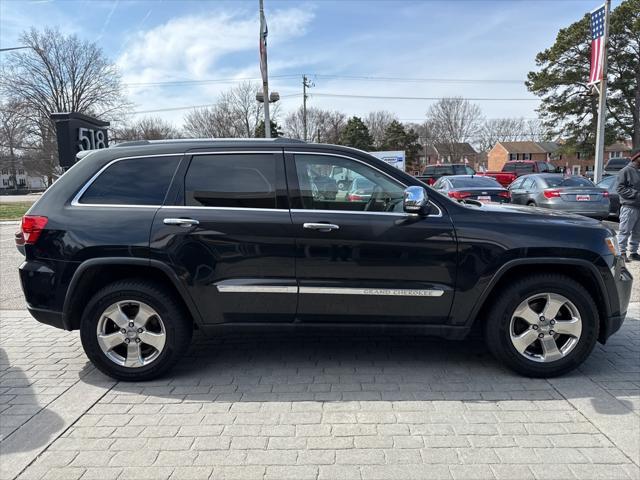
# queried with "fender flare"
point(126, 261)
point(538, 261)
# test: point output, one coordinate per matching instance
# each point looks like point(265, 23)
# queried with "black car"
point(136, 246)
point(471, 187)
point(610, 184)
point(614, 165)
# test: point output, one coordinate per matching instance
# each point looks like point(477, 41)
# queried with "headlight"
point(613, 245)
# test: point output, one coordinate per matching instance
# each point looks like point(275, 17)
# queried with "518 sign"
point(91, 139)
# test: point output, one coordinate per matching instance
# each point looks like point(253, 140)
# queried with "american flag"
point(597, 44)
point(263, 46)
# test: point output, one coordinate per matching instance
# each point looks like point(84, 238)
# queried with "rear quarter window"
point(134, 181)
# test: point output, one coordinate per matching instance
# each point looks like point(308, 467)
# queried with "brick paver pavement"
point(317, 408)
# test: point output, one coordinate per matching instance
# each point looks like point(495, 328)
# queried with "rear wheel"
point(531, 204)
point(134, 330)
point(543, 326)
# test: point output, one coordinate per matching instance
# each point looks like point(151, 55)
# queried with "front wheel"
point(543, 326)
point(134, 330)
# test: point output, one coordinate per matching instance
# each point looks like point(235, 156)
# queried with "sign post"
point(76, 132)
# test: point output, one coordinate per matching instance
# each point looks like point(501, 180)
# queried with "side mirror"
point(415, 200)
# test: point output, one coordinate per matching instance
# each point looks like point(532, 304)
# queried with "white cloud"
point(191, 47)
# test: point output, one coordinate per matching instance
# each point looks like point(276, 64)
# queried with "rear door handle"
point(321, 227)
point(181, 222)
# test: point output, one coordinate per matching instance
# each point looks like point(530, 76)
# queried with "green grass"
point(13, 211)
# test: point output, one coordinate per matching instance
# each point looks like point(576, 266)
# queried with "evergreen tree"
point(356, 134)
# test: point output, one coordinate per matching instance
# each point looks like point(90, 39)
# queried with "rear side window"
point(233, 180)
point(135, 181)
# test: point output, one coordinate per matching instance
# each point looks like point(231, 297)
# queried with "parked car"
point(555, 191)
point(342, 178)
point(610, 184)
point(323, 187)
point(614, 165)
point(516, 168)
point(227, 235)
point(483, 189)
point(361, 190)
point(431, 173)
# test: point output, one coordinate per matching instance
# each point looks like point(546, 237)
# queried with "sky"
point(477, 49)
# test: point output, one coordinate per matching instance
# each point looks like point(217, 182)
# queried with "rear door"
point(226, 232)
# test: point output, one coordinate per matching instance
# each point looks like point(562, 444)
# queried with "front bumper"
point(623, 283)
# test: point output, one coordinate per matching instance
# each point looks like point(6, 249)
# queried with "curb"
point(9, 222)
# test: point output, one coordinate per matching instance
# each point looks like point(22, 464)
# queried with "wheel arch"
point(96, 273)
point(581, 270)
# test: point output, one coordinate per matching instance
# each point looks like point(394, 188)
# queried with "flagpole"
point(265, 78)
point(602, 102)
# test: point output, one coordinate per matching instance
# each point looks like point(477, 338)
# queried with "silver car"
point(558, 192)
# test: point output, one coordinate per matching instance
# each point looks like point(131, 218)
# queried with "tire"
point(501, 324)
point(531, 204)
point(170, 324)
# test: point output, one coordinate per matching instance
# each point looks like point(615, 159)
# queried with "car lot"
point(311, 407)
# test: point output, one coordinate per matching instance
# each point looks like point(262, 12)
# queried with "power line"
point(418, 80)
point(474, 99)
point(373, 78)
point(189, 107)
point(172, 83)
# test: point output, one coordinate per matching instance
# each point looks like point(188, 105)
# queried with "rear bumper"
point(48, 317)
point(599, 211)
point(45, 284)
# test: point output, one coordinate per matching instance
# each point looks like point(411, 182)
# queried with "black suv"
point(138, 245)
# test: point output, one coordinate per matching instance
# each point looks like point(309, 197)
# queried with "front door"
point(227, 234)
point(359, 257)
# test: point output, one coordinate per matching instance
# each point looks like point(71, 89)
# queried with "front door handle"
point(321, 227)
point(181, 222)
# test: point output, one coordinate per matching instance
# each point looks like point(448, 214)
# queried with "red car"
point(516, 168)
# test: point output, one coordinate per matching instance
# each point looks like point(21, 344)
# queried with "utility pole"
point(264, 70)
point(602, 103)
point(305, 84)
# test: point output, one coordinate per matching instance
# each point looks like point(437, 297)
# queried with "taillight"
point(605, 194)
point(504, 194)
point(354, 198)
point(31, 228)
point(551, 193)
point(459, 195)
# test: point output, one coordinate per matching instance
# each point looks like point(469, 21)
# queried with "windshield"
point(617, 163)
point(561, 181)
point(472, 182)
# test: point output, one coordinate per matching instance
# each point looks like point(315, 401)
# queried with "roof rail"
point(133, 143)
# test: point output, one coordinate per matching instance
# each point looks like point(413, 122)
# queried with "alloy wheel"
point(545, 327)
point(131, 333)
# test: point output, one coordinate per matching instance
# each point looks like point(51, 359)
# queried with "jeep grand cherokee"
point(138, 245)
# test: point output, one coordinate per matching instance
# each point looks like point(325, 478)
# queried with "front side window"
point(232, 180)
point(134, 181)
point(370, 189)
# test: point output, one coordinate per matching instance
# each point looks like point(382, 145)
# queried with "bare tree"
point(377, 123)
point(60, 74)
point(500, 130)
point(322, 125)
point(453, 121)
point(146, 128)
point(13, 135)
point(236, 113)
point(334, 124)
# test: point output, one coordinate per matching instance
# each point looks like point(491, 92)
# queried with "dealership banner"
point(395, 158)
